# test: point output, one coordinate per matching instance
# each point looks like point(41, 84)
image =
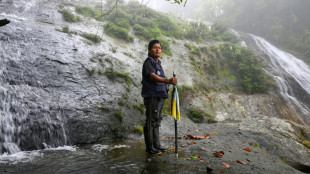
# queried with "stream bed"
point(115, 157)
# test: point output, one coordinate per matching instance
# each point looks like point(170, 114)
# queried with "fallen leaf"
point(149, 159)
point(100, 107)
point(198, 137)
point(218, 154)
point(225, 164)
point(205, 149)
point(183, 145)
point(241, 162)
point(248, 160)
point(229, 150)
point(214, 133)
point(240, 133)
point(193, 142)
point(195, 156)
point(164, 137)
point(179, 138)
point(247, 149)
point(251, 143)
point(221, 171)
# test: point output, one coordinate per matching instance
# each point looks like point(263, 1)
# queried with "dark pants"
point(154, 108)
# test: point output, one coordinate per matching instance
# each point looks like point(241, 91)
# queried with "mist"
point(282, 22)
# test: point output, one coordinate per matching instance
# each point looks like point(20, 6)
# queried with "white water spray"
point(286, 65)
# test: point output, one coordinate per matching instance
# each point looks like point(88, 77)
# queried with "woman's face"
point(155, 51)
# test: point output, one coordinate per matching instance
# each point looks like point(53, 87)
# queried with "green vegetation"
point(198, 116)
point(246, 68)
point(69, 17)
point(165, 47)
point(146, 33)
point(140, 107)
point(186, 91)
point(65, 29)
point(148, 24)
point(117, 32)
point(138, 129)
point(220, 32)
point(305, 139)
point(119, 115)
point(89, 12)
point(286, 25)
point(113, 75)
point(92, 37)
point(90, 71)
point(306, 143)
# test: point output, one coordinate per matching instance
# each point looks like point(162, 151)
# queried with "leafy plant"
point(138, 129)
point(111, 74)
point(69, 17)
point(90, 71)
point(165, 47)
point(140, 107)
point(117, 32)
point(65, 29)
point(92, 37)
point(89, 12)
point(247, 68)
point(119, 115)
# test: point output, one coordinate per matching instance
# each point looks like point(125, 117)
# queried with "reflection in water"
point(117, 157)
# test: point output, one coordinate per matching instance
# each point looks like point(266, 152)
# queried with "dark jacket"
point(151, 88)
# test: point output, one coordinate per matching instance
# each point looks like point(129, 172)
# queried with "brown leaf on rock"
point(205, 149)
point(198, 137)
point(225, 164)
point(241, 162)
point(247, 149)
point(218, 154)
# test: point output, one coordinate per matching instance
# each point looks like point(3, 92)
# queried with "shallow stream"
point(116, 157)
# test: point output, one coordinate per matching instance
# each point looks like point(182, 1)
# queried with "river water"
point(114, 157)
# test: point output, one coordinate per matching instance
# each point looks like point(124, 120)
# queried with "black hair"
point(152, 43)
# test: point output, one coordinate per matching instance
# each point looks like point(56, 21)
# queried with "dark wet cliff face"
point(48, 97)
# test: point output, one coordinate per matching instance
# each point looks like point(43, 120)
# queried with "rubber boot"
point(148, 142)
point(156, 141)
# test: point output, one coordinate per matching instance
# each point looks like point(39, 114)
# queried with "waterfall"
point(292, 76)
point(30, 118)
point(23, 127)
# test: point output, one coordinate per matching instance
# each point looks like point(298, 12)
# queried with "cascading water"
point(292, 76)
point(28, 121)
point(25, 125)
